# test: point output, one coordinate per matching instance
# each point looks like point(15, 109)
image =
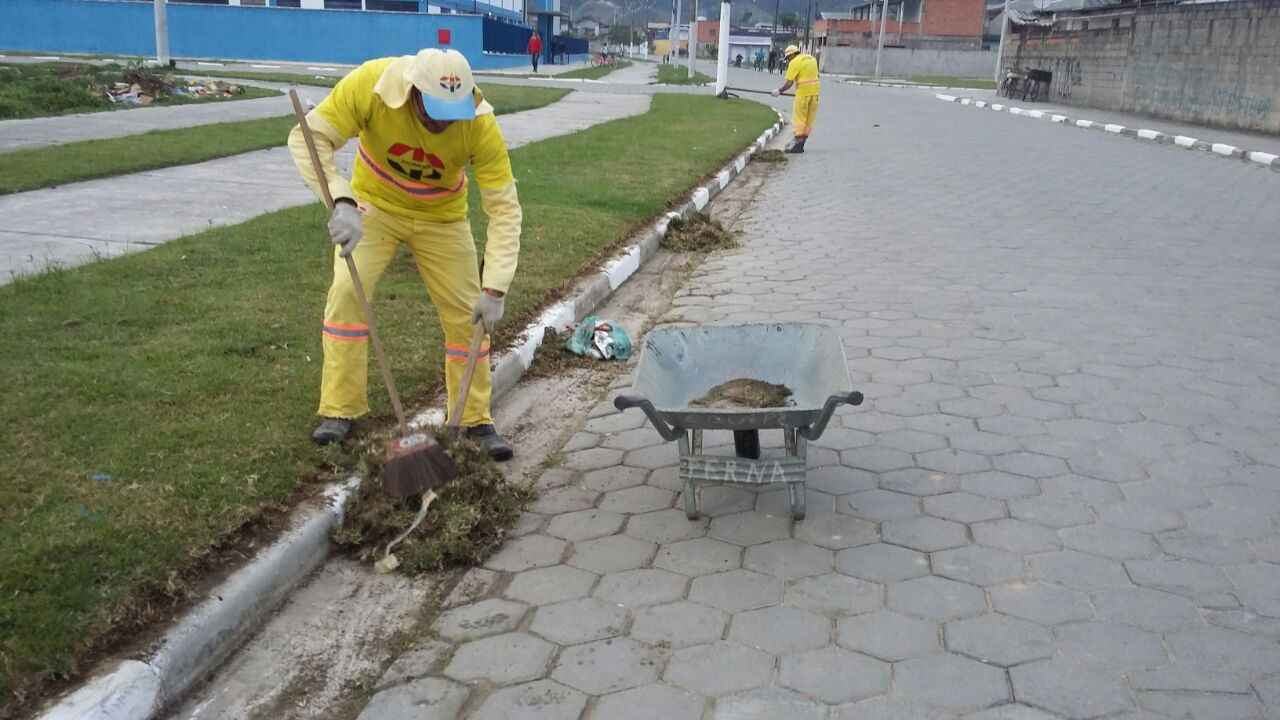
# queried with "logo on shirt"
point(414, 163)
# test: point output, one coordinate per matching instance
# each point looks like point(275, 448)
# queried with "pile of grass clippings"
point(553, 359)
point(770, 156)
point(745, 393)
point(468, 522)
point(698, 233)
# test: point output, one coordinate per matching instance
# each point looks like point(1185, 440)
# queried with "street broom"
point(415, 463)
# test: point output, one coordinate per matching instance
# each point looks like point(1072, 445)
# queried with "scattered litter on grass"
point(698, 233)
point(770, 156)
point(745, 393)
point(464, 526)
point(599, 338)
point(100, 477)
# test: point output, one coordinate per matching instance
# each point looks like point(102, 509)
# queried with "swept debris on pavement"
point(699, 233)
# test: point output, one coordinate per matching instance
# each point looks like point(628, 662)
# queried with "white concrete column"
point(162, 34)
point(722, 55)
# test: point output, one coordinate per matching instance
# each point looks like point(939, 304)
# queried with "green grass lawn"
point(158, 401)
point(594, 73)
point(22, 170)
point(679, 75)
point(62, 88)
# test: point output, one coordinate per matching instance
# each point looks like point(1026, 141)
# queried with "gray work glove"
point(346, 227)
point(488, 310)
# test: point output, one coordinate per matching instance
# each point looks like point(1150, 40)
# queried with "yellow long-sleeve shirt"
point(803, 71)
point(404, 169)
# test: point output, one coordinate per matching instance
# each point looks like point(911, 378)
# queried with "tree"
point(789, 21)
point(746, 18)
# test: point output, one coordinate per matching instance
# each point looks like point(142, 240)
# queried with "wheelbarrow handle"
point(622, 402)
point(814, 431)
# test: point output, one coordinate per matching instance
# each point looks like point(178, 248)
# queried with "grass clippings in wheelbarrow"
point(770, 156)
point(698, 233)
point(466, 524)
point(745, 393)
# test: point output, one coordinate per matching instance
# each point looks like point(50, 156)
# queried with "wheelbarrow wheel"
point(746, 443)
point(796, 500)
point(691, 500)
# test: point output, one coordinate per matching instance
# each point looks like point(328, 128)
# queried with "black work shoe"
point(331, 430)
point(796, 147)
point(488, 438)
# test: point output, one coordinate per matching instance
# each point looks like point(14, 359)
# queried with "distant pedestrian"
point(802, 71)
point(773, 59)
point(535, 49)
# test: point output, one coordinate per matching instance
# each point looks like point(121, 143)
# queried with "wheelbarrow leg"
point(796, 499)
point(797, 446)
point(687, 439)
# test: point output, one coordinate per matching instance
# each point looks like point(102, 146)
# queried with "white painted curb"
point(206, 636)
point(1254, 157)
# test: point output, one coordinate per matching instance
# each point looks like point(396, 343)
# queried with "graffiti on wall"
point(1194, 95)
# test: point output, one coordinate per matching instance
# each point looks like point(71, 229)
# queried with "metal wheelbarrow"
point(680, 364)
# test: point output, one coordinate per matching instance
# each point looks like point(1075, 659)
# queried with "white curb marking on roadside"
point(1224, 149)
point(997, 107)
point(1184, 141)
point(724, 177)
point(266, 67)
point(1037, 114)
point(981, 103)
point(1150, 134)
point(1084, 123)
point(1058, 118)
point(210, 64)
point(1263, 158)
point(1113, 128)
point(327, 69)
point(965, 101)
point(1015, 111)
point(700, 198)
point(948, 98)
point(46, 57)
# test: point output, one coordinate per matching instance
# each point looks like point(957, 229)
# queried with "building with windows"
point(955, 24)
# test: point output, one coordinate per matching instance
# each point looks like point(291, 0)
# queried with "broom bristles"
point(416, 464)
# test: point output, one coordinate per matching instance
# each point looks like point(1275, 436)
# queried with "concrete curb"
point(1252, 157)
point(871, 83)
point(208, 634)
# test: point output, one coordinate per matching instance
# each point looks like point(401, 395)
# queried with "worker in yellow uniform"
point(420, 121)
point(802, 71)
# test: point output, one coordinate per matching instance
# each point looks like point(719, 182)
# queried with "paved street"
point(1060, 499)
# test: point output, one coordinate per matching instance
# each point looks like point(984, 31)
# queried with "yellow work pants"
point(804, 110)
point(446, 258)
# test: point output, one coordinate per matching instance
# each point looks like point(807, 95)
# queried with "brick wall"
point(946, 22)
point(963, 18)
point(1213, 64)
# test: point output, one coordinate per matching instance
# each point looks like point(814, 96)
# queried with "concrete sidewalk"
point(83, 222)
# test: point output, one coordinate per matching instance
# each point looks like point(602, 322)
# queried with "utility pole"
point(675, 34)
point(1004, 30)
point(808, 23)
point(722, 56)
point(777, 5)
point(693, 37)
point(902, 6)
point(884, 13)
point(162, 34)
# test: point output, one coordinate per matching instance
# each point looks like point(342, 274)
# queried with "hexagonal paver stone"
point(666, 526)
point(999, 485)
point(834, 675)
point(725, 500)
point(1078, 570)
point(606, 666)
point(999, 639)
point(636, 588)
point(611, 554)
point(1140, 517)
point(1110, 645)
point(936, 598)
point(876, 459)
point(1016, 536)
point(592, 459)
point(501, 659)
point(750, 528)
point(1030, 464)
point(585, 524)
point(889, 707)
point(924, 533)
point(652, 457)
point(1183, 577)
point(964, 507)
point(979, 565)
point(538, 700)
point(487, 617)
point(1258, 585)
point(648, 702)
point(953, 461)
point(1098, 539)
point(888, 635)
point(736, 590)
point(778, 502)
point(636, 500)
point(882, 563)
point(578, 621)
point(1041, 603)
point(836, 532)
point(633, 439)
point(1145, 608)
point(1014, 712)
point(788, 559)
point(918, 481)
point(617, 422)
point(1069, 688)
point(564, 499)
point(1051, 512)
point(834, 595)
point(613, 478)
point(912, 441)
point(420, 661)
point(780, 630)
point(678, 624)
point(701, 556)
point(1197, 705)
point(550, 585)
point(878, 505)
point(428, 698)
point(951, 682)
point(1225, 650)
point(719, 668)
point(530, 551)
point(840, 480)
point(765, 703)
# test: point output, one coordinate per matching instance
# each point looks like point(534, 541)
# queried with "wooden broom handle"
point(464, 388)
point(351, 266)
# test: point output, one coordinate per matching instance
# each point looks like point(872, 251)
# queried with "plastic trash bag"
point(599, 338)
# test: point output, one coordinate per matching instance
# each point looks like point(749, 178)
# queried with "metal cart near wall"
point(680, 364)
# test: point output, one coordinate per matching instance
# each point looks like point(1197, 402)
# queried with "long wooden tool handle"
point(464, 388)
point(351, 266)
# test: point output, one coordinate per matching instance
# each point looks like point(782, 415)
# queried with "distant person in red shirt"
point(535, 49)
